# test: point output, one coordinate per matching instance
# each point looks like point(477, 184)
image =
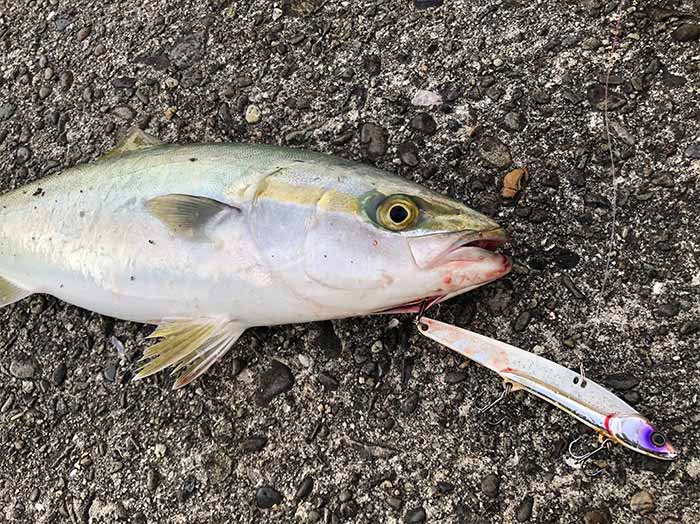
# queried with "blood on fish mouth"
point(421, 305)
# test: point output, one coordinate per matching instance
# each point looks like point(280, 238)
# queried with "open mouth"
point(487, 240)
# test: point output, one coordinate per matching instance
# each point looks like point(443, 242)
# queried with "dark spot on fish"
point(193, 159)
point(82, 214)
point(132, 278)
point(151, 242)
point(38, 192)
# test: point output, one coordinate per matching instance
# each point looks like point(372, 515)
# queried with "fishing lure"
point(613, 419)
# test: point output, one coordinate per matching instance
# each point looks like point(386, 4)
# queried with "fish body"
point(207, 240)
point(579, 396)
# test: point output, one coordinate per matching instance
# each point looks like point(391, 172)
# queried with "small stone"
point(415, 515)
point(514, 122)
point(668, 310)
point(110, 373)
point(621, 381)
point(455, 376)
point(693, 151)
point(373, 65)
point(152, 479)
point(22, 154)
point(495, 152)
point(597, 99)
point(686, 33)
point(124, 112)
point(44, 92)
point(590, 43)
point(642, 502)
point(254, 444)
point(410, 404)
point(253, 115)
point(305, 488)
point(23, 367)
point(374, 140)
point(408, 154)
point(345, 495)
point(690, 327)
point(267, 497)
point(6, 111)
point(123, 82)
point(427, 4)
point(424, 98)
point(273, 382)
point(187, 488)
point(424, 123)
point(524, 511)
point(522, 321)
point(597, 516)
point(59, 374)
point(84, 33)
point(490, 484)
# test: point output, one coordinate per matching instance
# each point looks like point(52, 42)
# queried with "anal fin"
point(10, 293)
point(190, 346)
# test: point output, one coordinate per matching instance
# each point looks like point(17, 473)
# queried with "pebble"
point(374, 140)
point(23, 367)
point(187, 488)
point(693, 151)
point(522, 321)
point(514, 182)
point(424, 123)
point(123, 82)
point(424, 98)
point(690, 327)
point(6, 111)
point(596, 97)
point(273, 382)
point(253, 115)
point(686, 33)
point(642, 502)
point(427, 4)
point(668, 310)
point(305, 488)
point(410, 404)
point(59, 374)
point(597, 516)
point(495, 152)
point(455, 376)
point(408, 154)
point(124, 112)
point(514, 122)
point(84, 33)
point(524, 511)
point(621, 381)
point(267, 497)
point(254, 444)
point(415, 515)
point(22, 154)
point(490, 484)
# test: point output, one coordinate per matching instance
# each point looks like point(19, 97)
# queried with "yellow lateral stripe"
point(326, 199)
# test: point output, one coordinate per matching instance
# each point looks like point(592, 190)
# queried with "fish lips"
point(432, 251)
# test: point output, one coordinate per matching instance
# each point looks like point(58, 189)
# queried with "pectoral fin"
point(10, 293)
point(187, 215)
point(191, 346)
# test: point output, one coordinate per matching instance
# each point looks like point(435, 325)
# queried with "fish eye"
point(658, 439)
point(397, 213)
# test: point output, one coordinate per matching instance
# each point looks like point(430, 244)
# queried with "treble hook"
point(421, 311)
point(507, 388)
point(606, 443)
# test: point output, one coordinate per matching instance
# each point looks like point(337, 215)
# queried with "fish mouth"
point(464, 248)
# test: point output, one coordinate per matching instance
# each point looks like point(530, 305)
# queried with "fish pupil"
point(658, 439)
point(398, 214)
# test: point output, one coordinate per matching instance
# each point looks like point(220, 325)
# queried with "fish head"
point(639, 434)
point(366, 242)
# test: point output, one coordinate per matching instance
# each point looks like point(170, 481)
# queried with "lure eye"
point(658, 439)
point(397, 213)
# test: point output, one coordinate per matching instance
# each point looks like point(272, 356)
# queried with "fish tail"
point(10, 291)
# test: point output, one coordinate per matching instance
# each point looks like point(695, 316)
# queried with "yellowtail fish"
point(613, 419)
point(207, 240)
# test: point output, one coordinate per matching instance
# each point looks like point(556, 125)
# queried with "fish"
point(613, 419)
point(207, 240)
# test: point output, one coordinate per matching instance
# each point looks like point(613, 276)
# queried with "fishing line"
point(613, 171)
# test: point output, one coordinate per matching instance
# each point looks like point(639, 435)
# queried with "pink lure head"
point(637, 433)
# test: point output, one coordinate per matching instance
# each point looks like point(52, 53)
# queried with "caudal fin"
point(10, 293)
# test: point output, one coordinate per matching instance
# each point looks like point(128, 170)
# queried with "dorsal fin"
point(186, 215)
point(135, 140)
